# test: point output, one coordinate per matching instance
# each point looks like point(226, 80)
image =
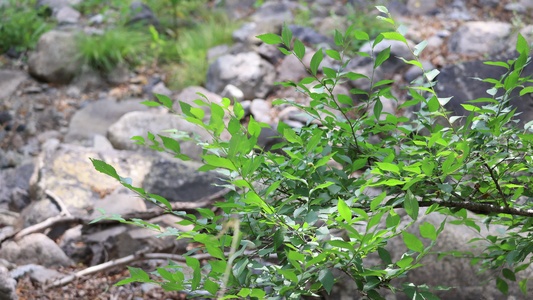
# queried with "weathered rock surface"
point(253, 75)
point(480, 38)
point(7, 285)
point(140, 123)
point(96, 117)
point(9, 81)
point(34, 248)
point(55, 57)
point(458, 81)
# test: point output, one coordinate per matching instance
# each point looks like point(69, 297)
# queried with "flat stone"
point(35, 248)
point(9, 82)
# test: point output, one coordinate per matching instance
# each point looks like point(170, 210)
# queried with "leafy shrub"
point(21, 25)
point(293, 219)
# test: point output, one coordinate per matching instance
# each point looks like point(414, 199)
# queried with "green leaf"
point(333, 54)
point(361, 35)
point(165, 100)
point(326, 278)
point(389, 167)
point(412, 242)
point(502, 286)
point(355, 76)
point(377, 201)
point(384, 255)
point(299, 49)
point(289, 274)
point(410, 204)
point(270, 38)
point(344, 211)
point(428, 231)
point(286, 36)
point(218, 161)
point(433, 104)
point(378, 107)
point(170, 144)
point(138, 274)
point(316, 60)
point(419, 47)
point(523, 285)
point(382, 9)
point(508, 274)
point(105, 168)
point(394, 36)
point(151, 103)
point(382, 56)
point(339, 39)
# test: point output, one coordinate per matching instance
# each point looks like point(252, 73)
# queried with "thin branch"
point(480, 208)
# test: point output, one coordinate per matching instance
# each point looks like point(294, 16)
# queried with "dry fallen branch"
point(129, 259)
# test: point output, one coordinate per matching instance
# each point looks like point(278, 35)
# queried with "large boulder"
point(55, 58)
point(140, 123)
point(458, 81)
point(34, 248)
point(247, 71)
point(96, 117)
point(480, 38)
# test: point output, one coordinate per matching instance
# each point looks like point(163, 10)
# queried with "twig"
point(59, 219)
point(62, 207)
point(480, 208)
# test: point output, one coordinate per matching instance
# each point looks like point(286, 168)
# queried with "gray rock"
point(10, 159)
point(247, 71)
point(393, 64)
point(140, 123)
point(15, 186)
point(96, 117)
point(34, 248)
point(96, 19)
point(72, 243)
point(217, 51)
point(458, 82)
point(20, 271)
point(89, 79)
point(237, 9)
point(414, 71)
point(55, 58)
point(515, 7)
point(67, 15)
point(9, 81)
point(422, 7)
point(291, 68)
point(70, 175)
point(246, 34)
point(260, 109)
point(480, 38)
point(56, 5)
point(8, 218)
point(192, 93)
point(45, 276)
point(161, 89)
point(38, 211)
point(143, 14)
point(271, 53)
point(118, 203)
point(233, 93)
point(180, 182)
point(7, 285)
point(273, 12)
point(489, 3)
point(119, 75)
point(309, 36)
point(122, 240)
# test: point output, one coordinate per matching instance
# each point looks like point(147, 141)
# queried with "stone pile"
point(50, 128)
